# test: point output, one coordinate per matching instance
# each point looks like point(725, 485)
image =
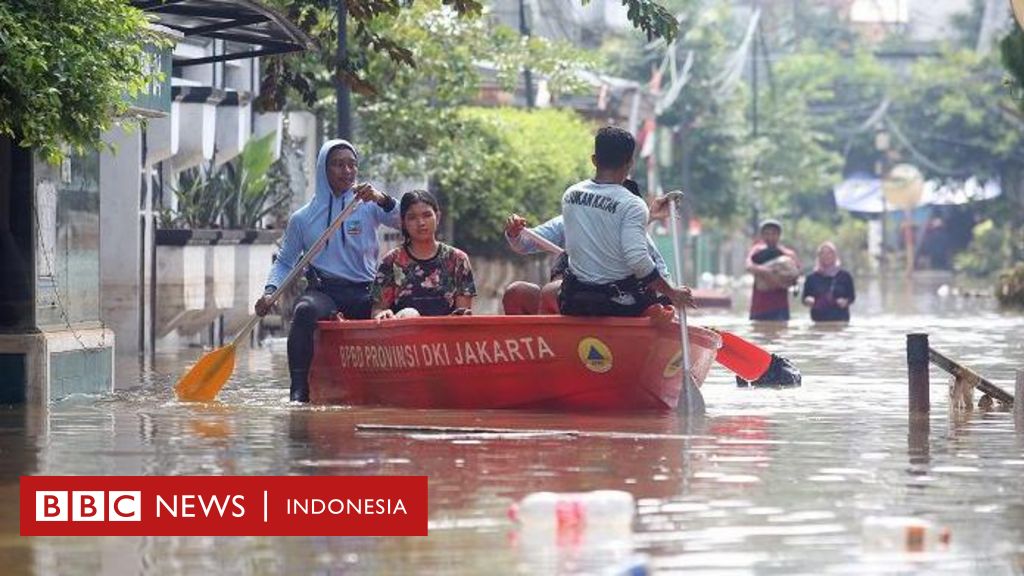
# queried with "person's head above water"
point(342, 166)
point(771, 231)
point(613, 153)
point(420, 213)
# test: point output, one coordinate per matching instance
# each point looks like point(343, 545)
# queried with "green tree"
point(66, 68)
point(953, 114)
point(796, 157)
point(509, 160)
point(704, 123)
point(484, 163)
point(954, 118)
point(1011, 48)
point(311, 75)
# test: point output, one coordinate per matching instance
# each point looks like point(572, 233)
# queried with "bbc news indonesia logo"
point(223, 506)
point(88, 506)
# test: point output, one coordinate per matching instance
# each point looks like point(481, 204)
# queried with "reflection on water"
point(771, 481)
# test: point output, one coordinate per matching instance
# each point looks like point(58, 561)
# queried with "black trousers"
point(627, 297)
point(352, 300)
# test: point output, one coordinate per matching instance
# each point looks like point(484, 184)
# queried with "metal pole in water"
point(1018, 401)
point(917, 370)
point(690, 400)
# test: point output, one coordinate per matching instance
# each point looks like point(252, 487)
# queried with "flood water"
point(769, 482)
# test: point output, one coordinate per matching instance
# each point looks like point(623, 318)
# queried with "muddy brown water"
point(769, 482)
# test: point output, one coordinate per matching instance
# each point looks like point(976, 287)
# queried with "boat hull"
point(506, 362)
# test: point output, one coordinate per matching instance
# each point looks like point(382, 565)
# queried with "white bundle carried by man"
point(782, 273)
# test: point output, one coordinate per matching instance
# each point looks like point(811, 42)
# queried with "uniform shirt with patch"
point(605, 233)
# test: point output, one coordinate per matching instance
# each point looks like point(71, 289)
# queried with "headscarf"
point(832, 270)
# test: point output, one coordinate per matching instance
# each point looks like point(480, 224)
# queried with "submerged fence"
point(920, 356)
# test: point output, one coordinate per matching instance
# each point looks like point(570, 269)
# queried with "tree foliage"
point(510, 160)
point(959, 120)
point(705, 124)
point(1011, 48)
point(310, 75)
point(66, 68)
point(809, 124)
point(485, 163)
point(953, 111)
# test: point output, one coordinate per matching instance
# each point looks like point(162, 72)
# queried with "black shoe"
point(741, 383)
point(300, 395)
point(780, 374)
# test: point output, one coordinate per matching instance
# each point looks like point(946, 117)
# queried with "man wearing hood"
point(339, 276)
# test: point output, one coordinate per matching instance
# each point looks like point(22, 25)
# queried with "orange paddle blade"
point(743, 357)
point(208, 376)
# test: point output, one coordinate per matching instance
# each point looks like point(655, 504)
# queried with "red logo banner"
point(223, 506)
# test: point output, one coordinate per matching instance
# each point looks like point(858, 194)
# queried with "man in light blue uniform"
point(341, 274)
point(554, 231)
point(611, 271)
point(527, 298)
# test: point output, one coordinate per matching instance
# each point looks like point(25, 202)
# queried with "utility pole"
point(754, 74)
point(755, 213)
point(342, 93)
point(524, 30)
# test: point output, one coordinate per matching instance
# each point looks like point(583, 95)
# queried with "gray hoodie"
point(353, 249)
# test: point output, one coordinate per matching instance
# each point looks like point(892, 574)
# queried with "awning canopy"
point(863, 193)
point(246, 22)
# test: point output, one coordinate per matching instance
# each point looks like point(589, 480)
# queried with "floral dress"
point(430, 286)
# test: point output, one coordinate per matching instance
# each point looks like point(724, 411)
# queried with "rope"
point(924, 160)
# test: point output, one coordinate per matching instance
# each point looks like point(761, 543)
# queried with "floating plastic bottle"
point(570, 532)
point(904, 534)
point(575, 510)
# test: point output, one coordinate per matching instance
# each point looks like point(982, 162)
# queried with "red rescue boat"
point(506, 362)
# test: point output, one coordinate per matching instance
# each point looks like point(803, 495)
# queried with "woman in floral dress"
point(422, 275)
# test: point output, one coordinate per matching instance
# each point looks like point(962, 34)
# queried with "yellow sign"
point(595, 355)
point(674, 366)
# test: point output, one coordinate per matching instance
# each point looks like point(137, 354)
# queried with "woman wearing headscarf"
point(828, 291)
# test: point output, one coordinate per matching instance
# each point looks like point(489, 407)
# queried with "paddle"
point(692, 401)
point(204, 380)
point(742, 357)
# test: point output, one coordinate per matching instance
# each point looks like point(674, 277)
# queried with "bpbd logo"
point(595, 355)
point(88, 506)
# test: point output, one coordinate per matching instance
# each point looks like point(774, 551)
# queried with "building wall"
point(120, 237)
